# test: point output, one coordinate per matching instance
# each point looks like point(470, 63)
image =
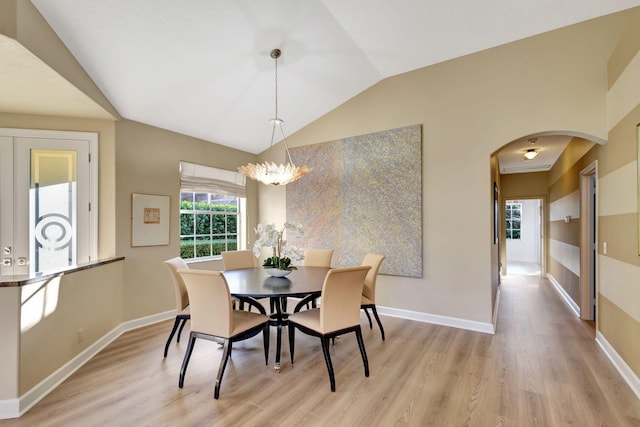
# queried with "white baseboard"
point(454, 322)
point(565, 296)
point(9, 408)
point(12, 408)
point(627, 373)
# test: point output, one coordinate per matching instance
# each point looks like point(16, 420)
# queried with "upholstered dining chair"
point(339, 313)
point(182, 298)
point(213, 318)
point(317, 257)
point(236, 260)
point(369, 289)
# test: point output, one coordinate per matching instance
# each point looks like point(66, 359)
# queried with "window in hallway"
point(513, 216)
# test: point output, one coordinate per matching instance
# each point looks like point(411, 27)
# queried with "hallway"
point(523, 268)
point(542, 368)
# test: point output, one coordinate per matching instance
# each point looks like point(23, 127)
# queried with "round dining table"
point(252, 283)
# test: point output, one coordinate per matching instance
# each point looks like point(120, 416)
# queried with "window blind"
point(207, 179)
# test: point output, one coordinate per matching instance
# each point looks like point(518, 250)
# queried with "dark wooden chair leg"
point(223, 364)
point(363, 352)
point(366, 311)
point(292, 340)
point(187, 356)
point(173, 331)
point(265, 336)
point(375, 314)
point(327, 359)
point(184, 321)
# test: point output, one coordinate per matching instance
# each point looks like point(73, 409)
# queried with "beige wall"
point(524, 185)
point(564, 199)
point(148, 162)
point(87, 300)
point(618, 312)
point(469, 108)
point(32, 31)
point(10, 338)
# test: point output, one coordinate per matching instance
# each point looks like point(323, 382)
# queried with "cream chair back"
point(374, 261)
point(317, 257)
point(235, 260)
point(340, 300)
point(211, 309)
point(173, 265)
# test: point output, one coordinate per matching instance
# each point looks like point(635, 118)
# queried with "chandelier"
point(269, 172)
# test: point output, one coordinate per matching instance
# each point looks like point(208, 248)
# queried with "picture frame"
point(149, 219)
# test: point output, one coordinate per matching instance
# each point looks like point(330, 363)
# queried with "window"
point(49, 193)
point(513, 214)
point(208, 224)
point(212, 205)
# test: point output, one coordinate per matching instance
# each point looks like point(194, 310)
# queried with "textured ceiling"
point(202, 67)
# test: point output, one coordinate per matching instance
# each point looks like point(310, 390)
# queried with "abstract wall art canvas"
point(364, 194)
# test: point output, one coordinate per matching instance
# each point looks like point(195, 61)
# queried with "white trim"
point(436, 319)
point(93, 196)
point(565, 296)
point(9, 408)
point(627, 373)
point(90, 249)
point(495, 311)
point(12, 408)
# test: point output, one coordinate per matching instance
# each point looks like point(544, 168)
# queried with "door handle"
point(22, 261)
point(7, 262)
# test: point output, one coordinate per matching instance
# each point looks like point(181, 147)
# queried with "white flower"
point(269, 236)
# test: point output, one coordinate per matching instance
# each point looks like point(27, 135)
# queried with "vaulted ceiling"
point(202, 68)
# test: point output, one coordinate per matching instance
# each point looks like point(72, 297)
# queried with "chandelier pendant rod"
point(269, 173)
point(277, 121)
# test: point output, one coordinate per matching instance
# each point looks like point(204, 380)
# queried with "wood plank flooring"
point(542, 368)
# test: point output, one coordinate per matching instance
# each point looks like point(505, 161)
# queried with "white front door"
point(46, 223)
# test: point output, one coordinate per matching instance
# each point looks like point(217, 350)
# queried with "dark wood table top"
point(255, 282)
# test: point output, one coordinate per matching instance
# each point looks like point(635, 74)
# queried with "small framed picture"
point(149, 220)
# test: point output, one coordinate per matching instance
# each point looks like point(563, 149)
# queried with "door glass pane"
point(53, 202)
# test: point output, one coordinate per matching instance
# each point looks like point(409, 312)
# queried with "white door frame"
point(14, 171)
point(588, 243)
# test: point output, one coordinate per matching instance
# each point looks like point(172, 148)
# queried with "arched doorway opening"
point(562, 176)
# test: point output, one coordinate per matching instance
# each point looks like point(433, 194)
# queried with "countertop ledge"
point(25, 279)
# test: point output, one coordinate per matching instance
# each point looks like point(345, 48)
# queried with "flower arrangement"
point(283, 254)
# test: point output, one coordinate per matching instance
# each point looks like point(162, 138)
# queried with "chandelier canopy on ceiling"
point(270, 173)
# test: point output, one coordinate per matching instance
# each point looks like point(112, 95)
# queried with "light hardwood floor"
point(542, 368)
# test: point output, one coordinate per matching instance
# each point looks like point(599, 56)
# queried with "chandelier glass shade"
point(270, 173)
